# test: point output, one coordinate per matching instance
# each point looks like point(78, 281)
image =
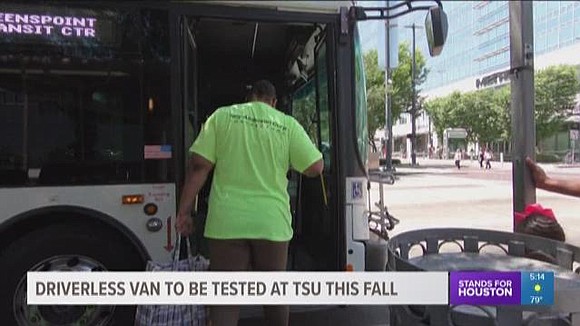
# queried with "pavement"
point(436, 194)
point(434, 165)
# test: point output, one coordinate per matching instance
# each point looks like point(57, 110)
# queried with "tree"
point(556, 88)
point(401, 88)
point(375, 83)
point(486, 114)
point(446, 112)
point(483, 114)
point(502, 99)
point(304, 110)
point(437, 110)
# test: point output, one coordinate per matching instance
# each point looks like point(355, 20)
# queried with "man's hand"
point(538, 173)
point(197, 173)
point(184, 224)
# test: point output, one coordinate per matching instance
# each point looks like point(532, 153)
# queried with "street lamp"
point(413, 112)
point(388, 104)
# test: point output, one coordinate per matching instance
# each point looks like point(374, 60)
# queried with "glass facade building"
point(478, 45)
point(478, 36)
point(478, 39)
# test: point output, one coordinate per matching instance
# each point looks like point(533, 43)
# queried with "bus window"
point(314, 221)
point(361, 101)
point(323, 106)
point(89, 109)
point(304, 109)
point(310, 106)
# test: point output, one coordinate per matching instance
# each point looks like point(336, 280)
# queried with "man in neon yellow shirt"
point(250, 147)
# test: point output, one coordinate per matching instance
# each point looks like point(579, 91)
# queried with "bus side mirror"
point(436, 29)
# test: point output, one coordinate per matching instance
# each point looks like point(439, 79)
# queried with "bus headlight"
point(150, 209)
point(154, 224)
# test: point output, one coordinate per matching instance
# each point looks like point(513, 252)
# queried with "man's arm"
point(315, 169)
point(304, 156)
point(197, 172)
point(565, 187)
point(569, 187)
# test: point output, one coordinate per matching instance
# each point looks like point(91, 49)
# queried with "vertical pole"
point(413, 106)
point(388, 104)
point(573, 149)
point(429, 136)
point(25, 128)
point(522, 96)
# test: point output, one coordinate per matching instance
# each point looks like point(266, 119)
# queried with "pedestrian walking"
point(481, 158)
point(488, 156)
point(250, 147)
point(457, 158)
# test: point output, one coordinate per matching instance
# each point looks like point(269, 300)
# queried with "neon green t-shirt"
point(252, 146)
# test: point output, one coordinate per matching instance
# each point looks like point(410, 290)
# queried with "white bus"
point(99, 102)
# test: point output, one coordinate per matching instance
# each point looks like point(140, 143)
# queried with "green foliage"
point(439, 115)
point(304, 110)
point(486, 114)
point(483, 114)
point(555, 88)
point(446, 112)
point(400, 90)
point(548, 158)
point(375, 83)
point(502, 107)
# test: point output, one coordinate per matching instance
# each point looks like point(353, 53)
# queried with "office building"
point(478, 45)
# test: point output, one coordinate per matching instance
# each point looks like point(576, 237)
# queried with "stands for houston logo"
point(46, 25)
point(485, 288)
point(501, 288)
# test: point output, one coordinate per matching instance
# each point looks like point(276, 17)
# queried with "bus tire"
point(51, 246)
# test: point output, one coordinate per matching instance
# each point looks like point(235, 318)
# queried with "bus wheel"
point(63, 248)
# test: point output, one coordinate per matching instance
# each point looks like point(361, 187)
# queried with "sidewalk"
point(444, 164)
point(443, 199)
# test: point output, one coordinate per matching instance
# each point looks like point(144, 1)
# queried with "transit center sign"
point(47, 25)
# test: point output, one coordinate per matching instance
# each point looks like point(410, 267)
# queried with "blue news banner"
point(501, 288)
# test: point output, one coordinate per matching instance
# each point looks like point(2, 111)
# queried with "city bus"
point(100, 101)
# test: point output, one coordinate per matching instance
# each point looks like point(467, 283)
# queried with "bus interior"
point(222, 58)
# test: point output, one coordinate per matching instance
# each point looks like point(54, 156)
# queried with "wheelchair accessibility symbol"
point(357, 190)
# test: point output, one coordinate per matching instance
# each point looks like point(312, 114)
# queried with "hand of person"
point(184, 224)
point(538, 173)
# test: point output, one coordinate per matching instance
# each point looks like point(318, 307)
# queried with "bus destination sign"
point(47, 25)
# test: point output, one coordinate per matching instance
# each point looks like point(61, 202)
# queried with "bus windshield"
point(88, 108)
point(362, 137)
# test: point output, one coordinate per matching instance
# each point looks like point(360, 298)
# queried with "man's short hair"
point(263, 89)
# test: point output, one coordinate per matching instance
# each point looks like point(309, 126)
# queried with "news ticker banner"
point(291, 288)
point(239, 288)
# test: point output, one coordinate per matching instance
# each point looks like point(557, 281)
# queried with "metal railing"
point(381, 221)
